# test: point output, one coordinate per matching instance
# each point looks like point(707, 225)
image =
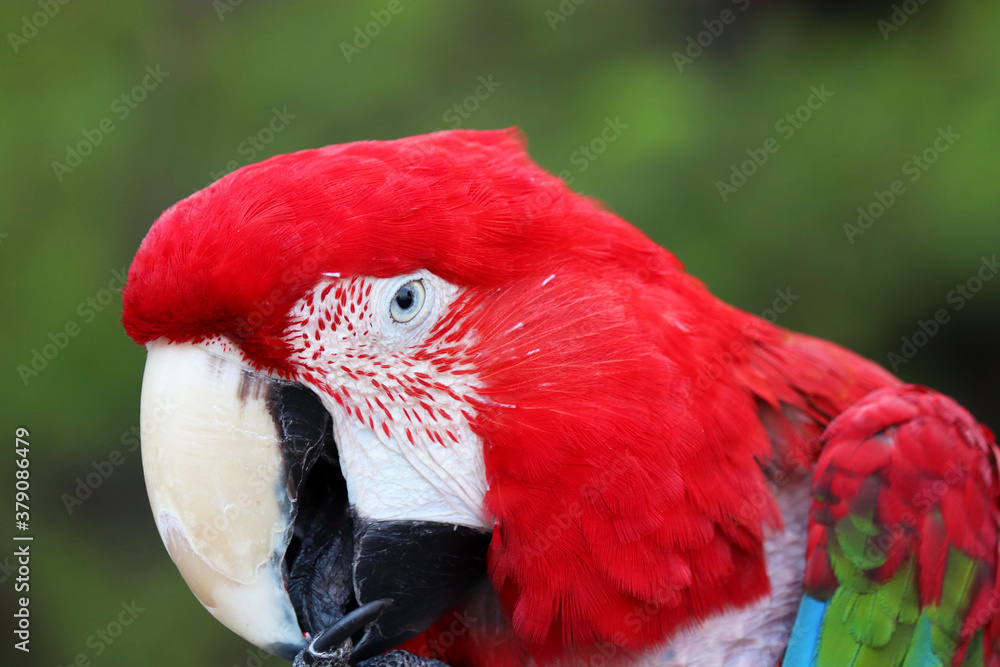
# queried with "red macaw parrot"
point(423, 395)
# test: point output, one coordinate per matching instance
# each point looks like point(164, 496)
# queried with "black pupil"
point(405, 297)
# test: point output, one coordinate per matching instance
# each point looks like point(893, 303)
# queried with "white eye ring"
point(407, 301)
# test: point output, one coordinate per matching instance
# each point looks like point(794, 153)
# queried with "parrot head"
point(403, 372)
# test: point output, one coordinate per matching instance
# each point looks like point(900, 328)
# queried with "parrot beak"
point(217, 487)
point(246, 488)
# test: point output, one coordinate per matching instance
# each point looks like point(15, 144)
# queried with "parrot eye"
point(407, 301)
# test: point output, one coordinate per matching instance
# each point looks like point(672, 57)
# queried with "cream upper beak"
point(217, 487)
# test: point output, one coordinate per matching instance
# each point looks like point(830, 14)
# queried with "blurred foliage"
point(231, 65)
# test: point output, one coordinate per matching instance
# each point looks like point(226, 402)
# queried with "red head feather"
point(231, 259)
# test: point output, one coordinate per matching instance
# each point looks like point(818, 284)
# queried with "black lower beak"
point(377, 582)
point(425, 568)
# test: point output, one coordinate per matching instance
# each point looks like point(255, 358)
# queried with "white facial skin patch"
point(399, 392)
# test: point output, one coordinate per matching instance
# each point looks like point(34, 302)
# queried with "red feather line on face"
point(333, 346)
point(626, 414)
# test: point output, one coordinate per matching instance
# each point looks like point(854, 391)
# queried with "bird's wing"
point(901, 567)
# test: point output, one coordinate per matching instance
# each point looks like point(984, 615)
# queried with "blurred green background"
point(209, 86)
